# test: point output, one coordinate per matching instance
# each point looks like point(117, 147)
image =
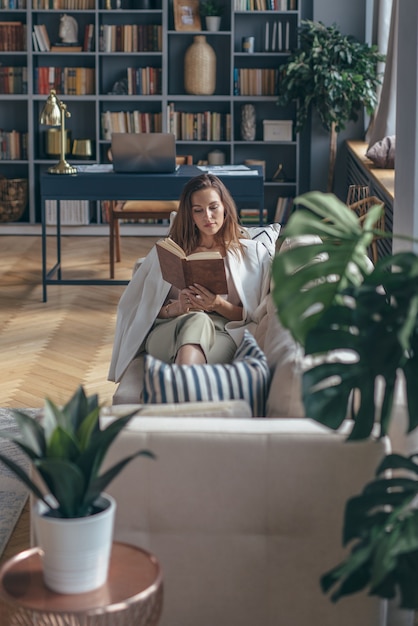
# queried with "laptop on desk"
point(143, 152)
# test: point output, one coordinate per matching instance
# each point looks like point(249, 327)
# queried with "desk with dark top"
point(108, 185)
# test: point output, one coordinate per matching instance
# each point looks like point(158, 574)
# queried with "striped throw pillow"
point(267, 235)
point(246, 378)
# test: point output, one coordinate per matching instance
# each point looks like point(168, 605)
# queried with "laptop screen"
point(144, 152)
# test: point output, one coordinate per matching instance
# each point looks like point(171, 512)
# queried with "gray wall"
point(350, 18)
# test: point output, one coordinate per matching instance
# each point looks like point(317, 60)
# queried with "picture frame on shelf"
point(186, 15)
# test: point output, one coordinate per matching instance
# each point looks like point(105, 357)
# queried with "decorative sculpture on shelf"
point(68, 29)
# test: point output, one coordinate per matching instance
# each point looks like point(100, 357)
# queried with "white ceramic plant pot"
point(213, 22)
point(76, 552)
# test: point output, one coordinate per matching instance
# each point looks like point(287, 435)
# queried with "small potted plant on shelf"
point(332, 73)
point(72, 515)
point(358, 324)
point(212, 11)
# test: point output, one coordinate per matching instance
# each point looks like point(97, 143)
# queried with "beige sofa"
point(244, 516)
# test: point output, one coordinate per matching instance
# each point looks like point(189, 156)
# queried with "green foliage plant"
point(358, 325)
point(211, 8)
point(333, 73)
point(66, 448)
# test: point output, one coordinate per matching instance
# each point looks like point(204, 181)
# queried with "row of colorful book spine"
point(13, 80)
point(130, 38)
point(70, 81)
point(64, 5)
point(13, 145)
point(145, 81)
point(265, 5)
point(72, 212)
point(13, 4)
point(12, 36)
point(199, 126)
point(255, 81)
point(129, 122)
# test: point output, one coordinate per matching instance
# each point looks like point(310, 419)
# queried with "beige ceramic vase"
point(200, 68)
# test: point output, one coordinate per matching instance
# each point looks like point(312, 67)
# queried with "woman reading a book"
point(194, 324)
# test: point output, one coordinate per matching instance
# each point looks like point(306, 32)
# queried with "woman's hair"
point(183, 229)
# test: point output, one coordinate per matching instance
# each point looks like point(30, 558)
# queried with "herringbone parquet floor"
point(48, 349)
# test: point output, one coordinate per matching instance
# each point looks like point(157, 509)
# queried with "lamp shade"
point(51, 113)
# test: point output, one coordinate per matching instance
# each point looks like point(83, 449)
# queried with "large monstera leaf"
point(327, 252)
point(365, 339)
point(358, 323)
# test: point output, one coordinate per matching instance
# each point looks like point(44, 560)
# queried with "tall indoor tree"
point(333, 73)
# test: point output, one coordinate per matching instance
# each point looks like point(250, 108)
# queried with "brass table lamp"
point(54, 114)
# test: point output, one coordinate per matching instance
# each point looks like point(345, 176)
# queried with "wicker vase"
point(200, 68)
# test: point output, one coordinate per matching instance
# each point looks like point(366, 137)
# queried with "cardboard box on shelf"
point(277, 130)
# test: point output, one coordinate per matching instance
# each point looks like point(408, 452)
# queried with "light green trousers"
point(199, 328)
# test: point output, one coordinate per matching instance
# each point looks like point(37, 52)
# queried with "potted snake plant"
point(358, 324)
point(72, 515)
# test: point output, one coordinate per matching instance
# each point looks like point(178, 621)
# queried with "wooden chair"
point(361, 208)
point(137, 210)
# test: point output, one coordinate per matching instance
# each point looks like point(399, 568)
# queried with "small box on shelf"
point(277, 130)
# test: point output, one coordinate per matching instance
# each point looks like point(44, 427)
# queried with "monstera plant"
point(358, 324)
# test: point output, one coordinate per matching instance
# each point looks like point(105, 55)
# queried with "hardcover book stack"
point(129, 122)
point(252, 216)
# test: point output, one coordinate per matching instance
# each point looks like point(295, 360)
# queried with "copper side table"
point(132, 595)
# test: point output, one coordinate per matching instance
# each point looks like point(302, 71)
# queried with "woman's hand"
point(186, 301)
point(201, 299)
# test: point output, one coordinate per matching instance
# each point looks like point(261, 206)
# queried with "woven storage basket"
point(200, 68)
point(13, 198)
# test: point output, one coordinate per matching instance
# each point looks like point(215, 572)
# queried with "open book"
point(205, 268)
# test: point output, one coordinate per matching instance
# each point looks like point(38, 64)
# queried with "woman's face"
point(208, 212)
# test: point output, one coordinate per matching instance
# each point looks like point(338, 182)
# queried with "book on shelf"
point(42, 37)
point(63, 5)
point(60, 48)
point(13, 80)
point(252, 216)
point(182, 271)
point(284, 208)
point(12, 36)
point(88, 43)
point(72, 212)
point(265, 5)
